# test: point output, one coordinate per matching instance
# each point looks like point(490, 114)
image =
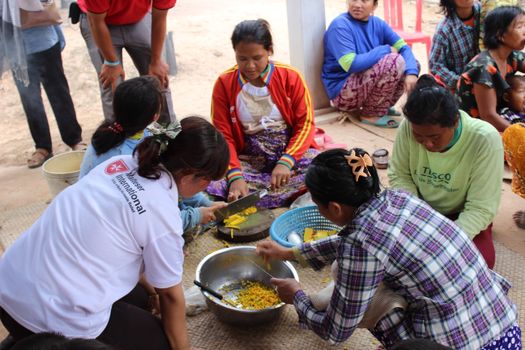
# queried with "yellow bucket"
point(62, 170)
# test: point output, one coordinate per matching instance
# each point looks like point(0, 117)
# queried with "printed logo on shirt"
point(435, 179)
point(130, 188)
point(116, 167)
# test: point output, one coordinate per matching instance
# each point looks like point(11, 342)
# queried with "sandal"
point(383, 122)
point(380, 158)
point(393, 112)
point(81, 146)
point(39, 156)
point(519, 219)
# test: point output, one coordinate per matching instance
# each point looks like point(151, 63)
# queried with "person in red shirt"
point(139, 26)
point(263, 109)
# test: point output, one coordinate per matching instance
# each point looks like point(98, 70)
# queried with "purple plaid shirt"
point(453, 298)
point(453, 46)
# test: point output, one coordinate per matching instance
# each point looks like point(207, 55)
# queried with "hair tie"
point(116, 128)
point(359, 164)
point(163, 134)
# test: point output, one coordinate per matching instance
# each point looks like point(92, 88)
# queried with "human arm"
point(395, 41)
point(487, 105)
point(410, 83)
point(198, 200)
point(157, 66)
point(153, 297)
point(109, 74)
point(208, 213)
point(439, 52)
point(280, 176)
point(340, 40)
point(237, 188)
point(484, 191)
point(88, 161)
point(399, 171)
point(359, 274)
point(317, 253)
point(173, 312)
point(301, 121)
point(224, 121)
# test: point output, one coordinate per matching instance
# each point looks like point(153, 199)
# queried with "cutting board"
point(257, 226)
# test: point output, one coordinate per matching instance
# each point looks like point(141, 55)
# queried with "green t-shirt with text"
point(465, 179)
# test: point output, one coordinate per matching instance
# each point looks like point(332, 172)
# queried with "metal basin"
point(229, 266)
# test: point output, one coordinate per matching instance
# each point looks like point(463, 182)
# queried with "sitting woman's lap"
point(260, 155)
point(374, 90)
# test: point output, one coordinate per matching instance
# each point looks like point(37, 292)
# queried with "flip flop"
point(393, 112)
point(383, 122)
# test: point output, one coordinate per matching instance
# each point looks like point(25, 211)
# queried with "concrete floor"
point(350, 133)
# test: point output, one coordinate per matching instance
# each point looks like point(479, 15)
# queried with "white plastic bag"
point(195, 301)
point(302, 201)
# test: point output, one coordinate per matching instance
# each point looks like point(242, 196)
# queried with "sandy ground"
point(201, 34)
point(201, 37)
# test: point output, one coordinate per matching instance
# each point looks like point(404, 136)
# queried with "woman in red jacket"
point(264, 110)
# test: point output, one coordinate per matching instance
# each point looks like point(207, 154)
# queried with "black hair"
point(55, 341)
point(418, 344)
point(431, 104)
point(511, 79)
point(198, 149)
point(330, 178)
point(448, 7)
point(497, 22)
point(135, 103)
point(253, 31)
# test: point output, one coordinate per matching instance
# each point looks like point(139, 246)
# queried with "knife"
point(240, 204)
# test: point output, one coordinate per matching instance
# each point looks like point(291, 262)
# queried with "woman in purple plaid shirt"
point(394, 239)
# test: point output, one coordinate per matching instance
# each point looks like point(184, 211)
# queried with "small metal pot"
point(229, 266)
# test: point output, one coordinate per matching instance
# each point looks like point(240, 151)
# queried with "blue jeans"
point(45, 68)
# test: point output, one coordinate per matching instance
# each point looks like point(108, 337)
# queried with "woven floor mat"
point(15, 221)
point(208, 333)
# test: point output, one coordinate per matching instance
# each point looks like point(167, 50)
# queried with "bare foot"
point(519, 219)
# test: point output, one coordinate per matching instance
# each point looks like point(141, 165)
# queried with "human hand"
point(393, 49)
point(160, 69)
point(286, 288)
point(238, 189)
point(208, 213)
point(154, 304)
point(109, 75)
point(271, 250)
point(410, 83)
point(280, 176)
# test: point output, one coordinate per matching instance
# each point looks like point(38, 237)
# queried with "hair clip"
point(116, 128)
point(359, 164)
point(163, 134)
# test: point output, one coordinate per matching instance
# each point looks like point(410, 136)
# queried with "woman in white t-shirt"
point(75, 271)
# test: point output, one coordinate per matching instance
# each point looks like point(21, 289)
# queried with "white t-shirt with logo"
point(89, 247)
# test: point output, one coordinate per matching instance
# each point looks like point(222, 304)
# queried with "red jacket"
point(291, 96)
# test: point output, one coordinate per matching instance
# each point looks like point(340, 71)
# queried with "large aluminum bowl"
point(229, 266)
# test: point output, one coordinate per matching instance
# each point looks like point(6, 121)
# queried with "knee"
point(394, 62)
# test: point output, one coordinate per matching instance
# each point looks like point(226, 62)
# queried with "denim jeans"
point(45, 68)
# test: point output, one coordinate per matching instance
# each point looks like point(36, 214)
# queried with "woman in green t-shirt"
point(450, 160)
